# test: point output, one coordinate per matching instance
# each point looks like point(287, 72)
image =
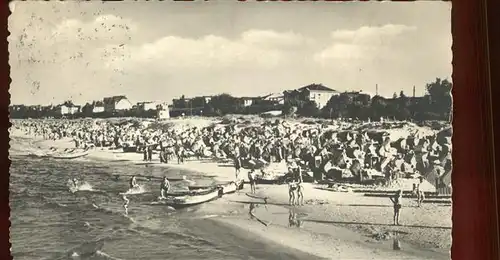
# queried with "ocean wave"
point(85, 186)
point(139, 190)
point(103, 254)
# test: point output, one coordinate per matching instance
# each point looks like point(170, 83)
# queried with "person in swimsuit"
point(126, 201)
point(396, 200)
point(75, 182)
point(165, 186)
point(133, 183)
point(420, 192)
point(252, 179)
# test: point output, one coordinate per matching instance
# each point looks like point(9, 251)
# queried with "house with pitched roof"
point(67, 108)
point(313, 92)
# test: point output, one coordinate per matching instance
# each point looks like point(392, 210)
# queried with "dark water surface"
point(50, 222)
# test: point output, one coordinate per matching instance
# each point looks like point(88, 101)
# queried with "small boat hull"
point(70, 155)
point(129, 149)
point(191, 198)
point(232, 186)
point(277, 179)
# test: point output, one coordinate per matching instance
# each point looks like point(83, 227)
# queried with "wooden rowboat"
point(190, 198)
point(231, 186)
point(70, 155)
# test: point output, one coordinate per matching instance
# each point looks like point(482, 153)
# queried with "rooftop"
point(317, 87)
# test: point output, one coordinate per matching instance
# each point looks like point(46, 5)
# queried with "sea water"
point(50, 221)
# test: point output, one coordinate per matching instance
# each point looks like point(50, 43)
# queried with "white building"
point(163, 112)
point(314, 92)
point(67, 109)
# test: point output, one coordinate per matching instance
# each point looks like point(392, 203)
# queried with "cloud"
point(253, 49)
point(271, 38)
point(364, 43)
point(367, 34)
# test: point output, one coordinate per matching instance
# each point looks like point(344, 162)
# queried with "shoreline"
point(318, 237)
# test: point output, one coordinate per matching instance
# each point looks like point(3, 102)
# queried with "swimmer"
point(75, 182)
point(125, 204)
point(133, 183)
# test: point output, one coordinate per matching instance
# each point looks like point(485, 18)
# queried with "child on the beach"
point(396, 200)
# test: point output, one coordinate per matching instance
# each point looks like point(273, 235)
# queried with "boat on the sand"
point(270, 178)
point(129, 149)
point(182, 199)
point(232, 186)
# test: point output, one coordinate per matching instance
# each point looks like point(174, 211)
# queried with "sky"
point(156, 51)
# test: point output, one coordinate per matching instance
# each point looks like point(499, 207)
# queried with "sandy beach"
point(336, 225)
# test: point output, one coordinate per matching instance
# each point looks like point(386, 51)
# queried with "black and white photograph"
point(217, 129)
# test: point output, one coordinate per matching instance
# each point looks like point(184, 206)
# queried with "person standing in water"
point(126, 201)
point(75, 183)
point(164, 188)
point(396, 200)
point(133, 183)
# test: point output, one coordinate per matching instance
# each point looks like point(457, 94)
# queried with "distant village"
point(121, 106)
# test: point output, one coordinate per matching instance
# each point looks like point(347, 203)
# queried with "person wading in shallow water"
point(133, 183)
point(75, 183)
point(396, 200)
point(165, 186)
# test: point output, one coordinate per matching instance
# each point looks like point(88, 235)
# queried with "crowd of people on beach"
point(337, 151)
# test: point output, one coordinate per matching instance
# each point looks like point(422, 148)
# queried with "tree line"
point(436, 104)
